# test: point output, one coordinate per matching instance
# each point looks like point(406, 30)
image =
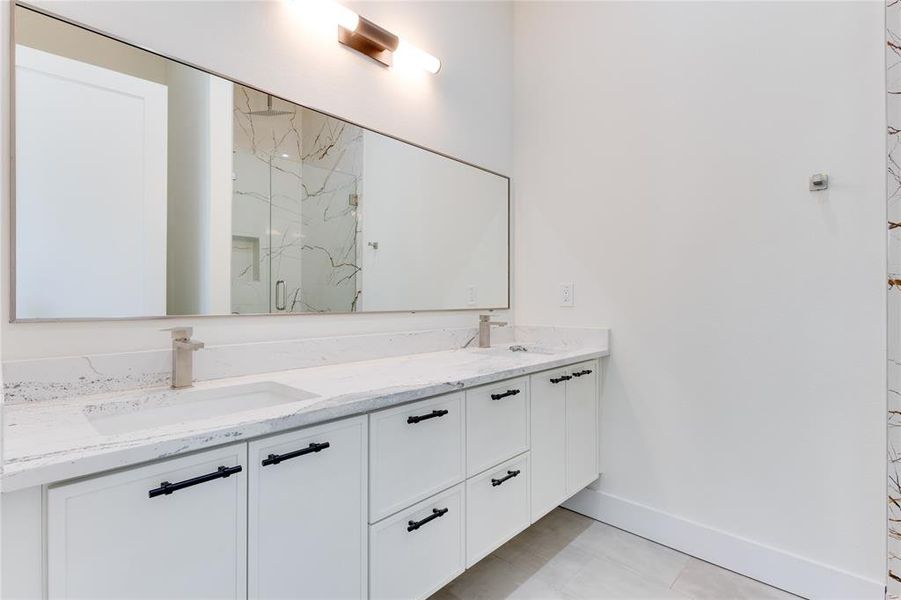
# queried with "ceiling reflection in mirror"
point(148, 188)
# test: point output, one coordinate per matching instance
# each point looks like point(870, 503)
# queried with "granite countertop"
point(51, 441)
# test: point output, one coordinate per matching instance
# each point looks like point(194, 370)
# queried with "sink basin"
point(170, 408)
point(513, 349)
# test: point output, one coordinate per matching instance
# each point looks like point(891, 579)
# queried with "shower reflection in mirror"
point(202, 196)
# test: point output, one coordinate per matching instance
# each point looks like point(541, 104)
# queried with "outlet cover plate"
point(566, 294)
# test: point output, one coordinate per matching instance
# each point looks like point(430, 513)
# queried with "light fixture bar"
point(381, 45)
point(368, 38)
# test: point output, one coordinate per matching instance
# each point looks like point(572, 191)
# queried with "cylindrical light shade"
point(345, 17)
point(407, 53)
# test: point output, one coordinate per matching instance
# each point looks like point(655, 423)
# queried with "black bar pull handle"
point(274, 459)
point(167, 488)
point(509, 475)
point(561, 379)
point(504, 394)
point(436, 512)
point(431, 415)
point(580, 373)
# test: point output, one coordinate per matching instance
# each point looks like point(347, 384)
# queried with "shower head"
point(269, 112)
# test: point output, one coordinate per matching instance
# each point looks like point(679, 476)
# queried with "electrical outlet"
point(566, 294)
point(471, 295)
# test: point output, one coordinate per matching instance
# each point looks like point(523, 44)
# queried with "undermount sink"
point(170, 408)
point(512, 349)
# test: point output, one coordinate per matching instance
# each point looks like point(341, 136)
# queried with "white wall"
point(462, 111)
point(663, 169)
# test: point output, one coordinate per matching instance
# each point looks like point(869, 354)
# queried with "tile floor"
point(566, 556)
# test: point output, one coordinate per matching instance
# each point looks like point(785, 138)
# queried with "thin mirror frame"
point(12, 188)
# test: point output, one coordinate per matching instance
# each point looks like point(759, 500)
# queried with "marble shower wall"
point(250, 234)
point(893, 103)
point(333, 178)
point(297, 175)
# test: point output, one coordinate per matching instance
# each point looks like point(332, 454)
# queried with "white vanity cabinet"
point(171, 529)
point(307, 513)
point(392, 504)
point(564, 434)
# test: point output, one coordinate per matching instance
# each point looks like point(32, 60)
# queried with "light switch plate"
point(566, 294)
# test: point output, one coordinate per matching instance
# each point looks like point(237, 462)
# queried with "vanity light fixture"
point(378, 43)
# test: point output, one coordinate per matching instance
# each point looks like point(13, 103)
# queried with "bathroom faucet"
point(485, 324)
point(183, 348)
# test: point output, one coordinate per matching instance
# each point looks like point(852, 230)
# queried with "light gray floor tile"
point(494, 578)
point(444, 594)
point(704, 581)
point(605, 579)
point(654, 561)
point(545, 542)
point(566, 556)
point(556, 571)
point(563, 522)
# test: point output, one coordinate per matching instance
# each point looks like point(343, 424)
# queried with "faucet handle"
point(180, 333)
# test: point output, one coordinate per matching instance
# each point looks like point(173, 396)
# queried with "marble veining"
point(893, 103)
point(72, 376)
point(297, 187)
point(66, 377)
point(54, 440)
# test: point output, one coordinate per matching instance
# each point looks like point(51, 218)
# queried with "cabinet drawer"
point(497, 507)
point(130, 535)
point(308, 499)
point(415, 451)
point(411, 557)
point(497, 423)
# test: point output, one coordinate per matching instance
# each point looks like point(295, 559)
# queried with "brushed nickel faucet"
point(183, 348)
point(485, 324)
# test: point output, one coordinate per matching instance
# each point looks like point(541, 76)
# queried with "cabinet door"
point(581, 427)
point(548, 440)
point(130, 535)
point(307, 513)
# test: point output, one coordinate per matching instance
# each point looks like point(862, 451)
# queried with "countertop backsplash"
point(73, 376)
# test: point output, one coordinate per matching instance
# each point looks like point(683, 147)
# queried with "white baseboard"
point(775, 567)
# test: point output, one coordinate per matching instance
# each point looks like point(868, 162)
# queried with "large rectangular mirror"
point(147, 188)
